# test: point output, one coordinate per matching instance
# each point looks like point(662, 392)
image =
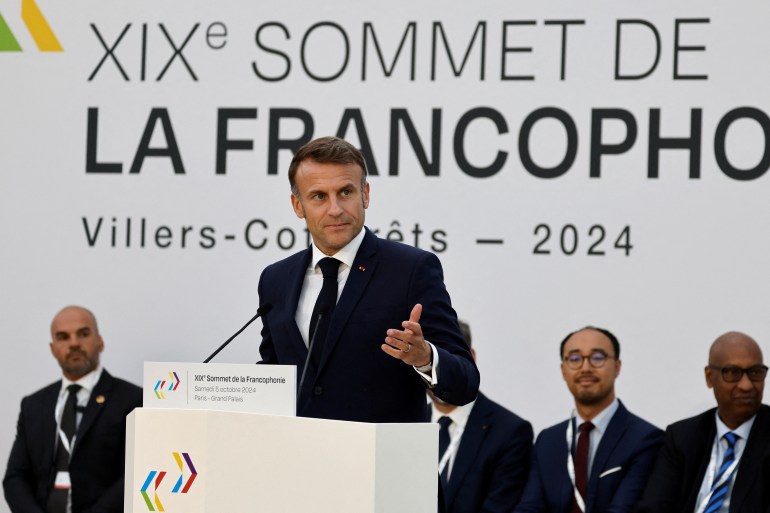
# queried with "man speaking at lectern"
point(375, 313)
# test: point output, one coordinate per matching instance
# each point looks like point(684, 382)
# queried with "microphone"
point(262, 310)
point(323, 310)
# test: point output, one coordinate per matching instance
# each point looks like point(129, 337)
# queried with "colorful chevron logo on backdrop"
point(38, 28)
point(160, 386)
point(155, 478)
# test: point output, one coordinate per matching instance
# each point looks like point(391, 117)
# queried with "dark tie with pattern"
point(719, 491)
point(581, 462)
point(327, 300)
point(57, 500)
point(443, 445)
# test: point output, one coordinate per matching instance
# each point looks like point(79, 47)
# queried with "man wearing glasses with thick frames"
point(719, 461)
point(598, 461)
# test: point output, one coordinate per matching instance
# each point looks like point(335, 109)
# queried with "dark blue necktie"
point(719, 491)
point(327, 299)
point(443, 445)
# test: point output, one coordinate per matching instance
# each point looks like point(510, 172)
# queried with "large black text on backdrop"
point(571, 163)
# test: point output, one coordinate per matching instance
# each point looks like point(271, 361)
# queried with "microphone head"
point(324, 309)
point(262, 310)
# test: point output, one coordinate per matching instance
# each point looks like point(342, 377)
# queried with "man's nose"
point(745, 383)
point(334, 207)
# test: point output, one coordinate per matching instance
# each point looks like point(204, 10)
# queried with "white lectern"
point(190, 461)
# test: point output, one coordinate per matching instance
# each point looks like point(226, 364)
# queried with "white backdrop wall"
point(571, 163)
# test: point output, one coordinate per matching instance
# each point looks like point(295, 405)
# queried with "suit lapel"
point(363, 268)
point(610, 439)
point(287, 322)
point(295, 278)
point(100, 396)
point(751, 460)
point(703, 441)
point(559, 458)
point(48, 425)
point(475, 432)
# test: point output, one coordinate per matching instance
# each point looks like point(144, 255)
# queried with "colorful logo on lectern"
point(38, 28)
point(155, 478)
point(160, 386)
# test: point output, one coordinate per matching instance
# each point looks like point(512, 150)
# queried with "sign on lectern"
point(268, 389)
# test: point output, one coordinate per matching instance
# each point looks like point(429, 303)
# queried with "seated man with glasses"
point(719, 461)
point(598, 461)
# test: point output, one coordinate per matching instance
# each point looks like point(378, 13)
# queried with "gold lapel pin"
point(100, 399)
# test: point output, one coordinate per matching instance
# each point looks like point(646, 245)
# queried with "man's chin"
point(80, 369)
point(589, 398)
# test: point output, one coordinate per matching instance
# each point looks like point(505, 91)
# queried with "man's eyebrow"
point(592, 350)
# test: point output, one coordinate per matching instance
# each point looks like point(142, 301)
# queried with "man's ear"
point(365, 194)
point(296, 204)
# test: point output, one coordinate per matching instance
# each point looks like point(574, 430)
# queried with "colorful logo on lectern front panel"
point(155, 479)
point(167, 385)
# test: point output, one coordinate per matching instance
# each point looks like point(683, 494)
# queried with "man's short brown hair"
point(327, 150)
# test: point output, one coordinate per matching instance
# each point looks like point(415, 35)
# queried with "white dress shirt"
point(311, 287)
point(87, 384)
point(719, 447)
point(456, 429)
point(600, 422)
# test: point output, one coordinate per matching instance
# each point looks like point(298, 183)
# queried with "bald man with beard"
point(68, 456)
point(719, 461)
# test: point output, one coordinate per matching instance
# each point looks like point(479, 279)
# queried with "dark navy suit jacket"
point(97, 463)
point(678, 473)
point(620, 469)
point(355, 379)
point(492, 461)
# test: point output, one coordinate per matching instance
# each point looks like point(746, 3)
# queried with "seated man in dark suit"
point(376, 312)
point(719, 461)
point(598, 461)
point(68, 456)
point(484, 452)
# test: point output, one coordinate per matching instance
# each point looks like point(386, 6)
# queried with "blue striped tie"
point(719, 493)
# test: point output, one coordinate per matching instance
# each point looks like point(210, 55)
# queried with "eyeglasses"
point(733, 374)
point(596, 359)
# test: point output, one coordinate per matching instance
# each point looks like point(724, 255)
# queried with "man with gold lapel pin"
point(68, 456)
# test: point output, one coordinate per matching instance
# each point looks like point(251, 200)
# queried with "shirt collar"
point(602, 420)
point(742, 431)
point(459, 415)
point(346, 255)
point(87, 382)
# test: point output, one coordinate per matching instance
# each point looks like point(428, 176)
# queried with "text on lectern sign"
point(266, 389)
